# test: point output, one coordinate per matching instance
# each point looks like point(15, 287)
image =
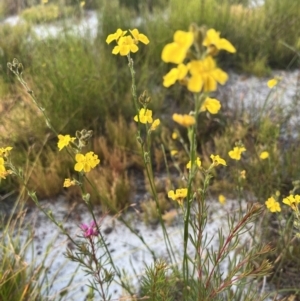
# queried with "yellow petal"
point(116, 50)
point(170, 78)
point(173, 53)
point(220, 76)
point(182, 71)
point(184, 38)
point(226, 45)
point(143, 39)
point(134, 48)
point(195, 83)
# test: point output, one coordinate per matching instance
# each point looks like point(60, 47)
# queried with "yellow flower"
point(86, 162)
point(115, 36)
point(205, 75)
point(180, 193)
point(184, 120)
point(235, 154)
point(272, 82)
point(214, 43)
point(125, 46)
point(222, 199)
point(175, 74)
point(139, 37)
point(145, 116)
point(272, 205)
point(3, 171)
point(82, 3)
point(243, 174)
point(64, 141)
point(154, 125)
point(264, 155)
point(217, 160)
point(174, 135)
point(175, 52)
point(68, 182)
point(212, 105)
point(198, 163)
point(4, 151)
point(290, 201)
point(174, 152)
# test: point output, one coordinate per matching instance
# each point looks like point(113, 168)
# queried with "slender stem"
point(148, 162)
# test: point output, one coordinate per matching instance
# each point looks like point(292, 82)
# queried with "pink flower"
point(89, 230)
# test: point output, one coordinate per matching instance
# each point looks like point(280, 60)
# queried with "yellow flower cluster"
point(4, 152)
point(145, 116)
point(83, 162)
point(203, 73)
point(126, 43)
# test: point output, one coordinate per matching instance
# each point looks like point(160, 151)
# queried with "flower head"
point(214, 43)
point(4, 151)
point(292, 201)
point(243, 174)
point(68, 182)
point(174, 135)
point(211, 105)
point(176, 52)
point(264, 155)
point(273, 205)
point(184, 120)
point(272, 83)
point(64, 140)
point(217, 160)
point(222, 199)
point(125, 45)
point(154, 125)
point(205, 75)
point(89, 230)
point(145, 116)
point(174, 152)
point(178, 195)
point(86, 162)
point(236, 153)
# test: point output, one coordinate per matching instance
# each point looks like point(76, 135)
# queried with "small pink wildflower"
point(89, 230)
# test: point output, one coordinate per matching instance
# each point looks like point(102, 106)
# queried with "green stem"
point(148, 162)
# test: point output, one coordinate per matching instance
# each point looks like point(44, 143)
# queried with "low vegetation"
point(101, 119)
